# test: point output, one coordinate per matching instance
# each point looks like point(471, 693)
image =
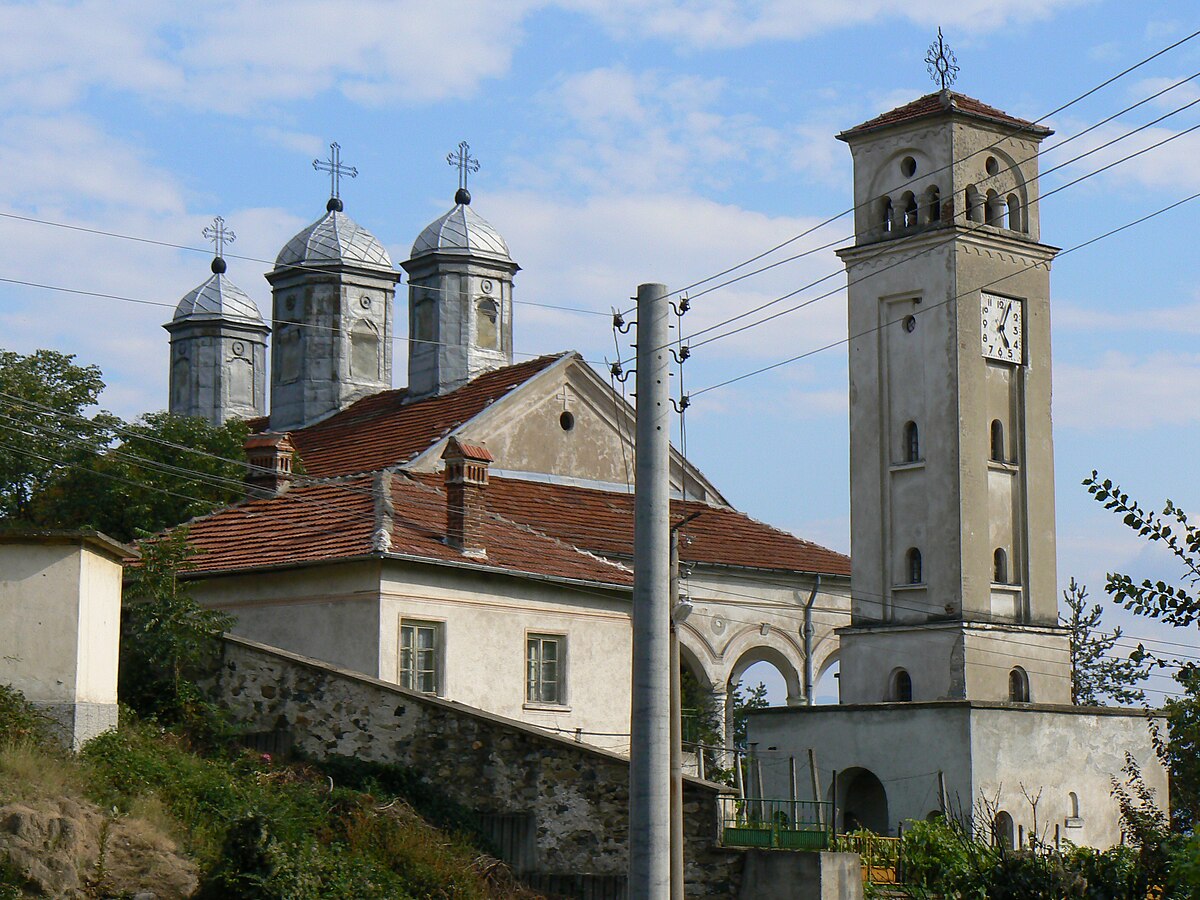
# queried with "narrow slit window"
point(998, 453)
point(1018, 686)
point(913, 558)
point(912, 443)
point(1000, 566)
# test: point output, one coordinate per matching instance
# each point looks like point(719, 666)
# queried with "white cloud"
point(1166, 160)
point(675, 239)
point(1183, 319)
point(236, 57)
point(723, 23)
point(1122, 391)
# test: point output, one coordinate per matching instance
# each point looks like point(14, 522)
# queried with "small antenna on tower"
point(941, 62)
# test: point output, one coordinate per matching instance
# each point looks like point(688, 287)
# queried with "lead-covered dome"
point(218, 298)
point(461, 230)
point(334, 238)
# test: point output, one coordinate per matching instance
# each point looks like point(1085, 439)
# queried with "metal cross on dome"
point(465, 163)
point(219, 235)
point(941, 62)
point(335, 169)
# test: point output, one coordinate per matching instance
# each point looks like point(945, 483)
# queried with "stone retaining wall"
point(577, 795)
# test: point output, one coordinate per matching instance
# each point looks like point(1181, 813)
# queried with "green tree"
point(169, 641)
point(165, 470)
point(1096, 676)
point(44, 426)
point(1176, 605)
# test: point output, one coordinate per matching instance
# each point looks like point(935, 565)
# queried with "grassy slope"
point(252, 828)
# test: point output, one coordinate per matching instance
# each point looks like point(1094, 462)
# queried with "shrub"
point(21, 722)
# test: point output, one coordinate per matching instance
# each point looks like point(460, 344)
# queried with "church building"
point(955, 673)
point(469, 535)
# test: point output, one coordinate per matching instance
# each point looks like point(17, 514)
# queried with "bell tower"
point(460, 284)
point(951, 456)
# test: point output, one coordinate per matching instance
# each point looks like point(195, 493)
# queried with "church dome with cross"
point(218, 298)
point(461, 230)
point(334, 238)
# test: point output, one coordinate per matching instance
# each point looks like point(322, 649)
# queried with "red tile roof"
point(938, 103)
point(389, 429)
point(602, 521)
point(376, 514)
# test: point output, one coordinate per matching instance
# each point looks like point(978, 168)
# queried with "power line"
point(953, 299)
point(1013, 133)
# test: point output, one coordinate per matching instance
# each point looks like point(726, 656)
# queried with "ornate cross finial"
point(465, 163)
point(336, 170)
point(219, 235)
point(941, 62)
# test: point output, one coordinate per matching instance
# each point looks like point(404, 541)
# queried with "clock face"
point(1002, 328)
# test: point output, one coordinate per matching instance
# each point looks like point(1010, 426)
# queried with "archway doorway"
point(862, 802)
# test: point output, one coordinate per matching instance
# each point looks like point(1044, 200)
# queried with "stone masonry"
point(577, 794)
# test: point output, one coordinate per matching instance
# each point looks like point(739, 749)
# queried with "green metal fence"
point(777, 824)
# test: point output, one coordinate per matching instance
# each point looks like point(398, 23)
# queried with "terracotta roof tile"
point(938, 103)
point(602, 521)
point(341, 519)
point(388, 429)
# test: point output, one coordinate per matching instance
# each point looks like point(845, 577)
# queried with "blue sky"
point(621, 141)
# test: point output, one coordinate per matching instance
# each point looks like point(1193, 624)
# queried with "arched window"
point(1018, 686)
point(885, 215)
point(1000, 566)
point(1072, 805)
point(933, 204)
point(974, 204)
point(364, 351)
point(487, 331)
point(913, 558)
point(1014, 213)
point(902, 686)
point(995, 210)
point(912, 443)
point(998, 441)
point(424, 321)
point(1003, 831)
point(909, 202)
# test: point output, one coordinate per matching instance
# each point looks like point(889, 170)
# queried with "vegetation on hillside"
point(254, 827)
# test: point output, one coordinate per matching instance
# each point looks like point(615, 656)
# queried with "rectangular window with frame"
point(545, 657)
point(421, 656)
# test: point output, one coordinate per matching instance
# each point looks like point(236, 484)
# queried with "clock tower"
point(954, 584)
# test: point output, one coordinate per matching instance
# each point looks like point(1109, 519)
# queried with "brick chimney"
point(466, 477)
point(270, 464)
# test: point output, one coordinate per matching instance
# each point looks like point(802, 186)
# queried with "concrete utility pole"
point(650, 726)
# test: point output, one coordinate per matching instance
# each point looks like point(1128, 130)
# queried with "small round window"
point(991, 165)
point(908, 167)
point(567, 420)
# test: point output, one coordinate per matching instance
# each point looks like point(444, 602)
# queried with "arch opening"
point(1003, 831)
point(913, 564)
point(1014, 213)
point(1018, 685)
point(862, 802)
point(1000, 566)
point(909, 203)
point(997, 434)
point(901, 689)
point(933, 204)
point(912, 442)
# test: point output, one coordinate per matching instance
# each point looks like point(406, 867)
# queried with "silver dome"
point(461, 230)
point(334, 238)
point(218, 298)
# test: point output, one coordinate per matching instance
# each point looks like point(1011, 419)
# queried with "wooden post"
point(941, 783)
point(833, 787)
point(816, 784)
point(700, 760)
point(792, 786)
point(737, 775)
